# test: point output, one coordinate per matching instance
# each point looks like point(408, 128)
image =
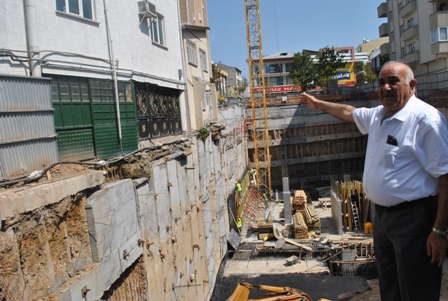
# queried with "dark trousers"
point(405, 271)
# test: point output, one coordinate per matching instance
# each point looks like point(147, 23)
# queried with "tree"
point(303, 71)
point(215, 74)
point(364, 73)
point(328, 62)
point(240, 87)
point(384, 59)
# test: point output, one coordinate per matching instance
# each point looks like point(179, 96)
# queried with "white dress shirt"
point(410, 169)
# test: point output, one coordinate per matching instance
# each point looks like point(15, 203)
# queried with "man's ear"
point(413, 83)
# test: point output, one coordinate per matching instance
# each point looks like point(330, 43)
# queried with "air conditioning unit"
point(146, 9)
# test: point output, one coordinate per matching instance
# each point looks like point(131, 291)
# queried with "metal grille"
point(158, 111)
point(353, 268)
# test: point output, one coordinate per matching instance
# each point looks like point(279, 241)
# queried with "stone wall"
point(60, 241)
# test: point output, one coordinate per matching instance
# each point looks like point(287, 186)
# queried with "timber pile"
point(300, 227)
point(299, 200)
point(311, 218)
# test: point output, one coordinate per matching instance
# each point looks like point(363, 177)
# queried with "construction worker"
point(252, 173)
point(265, 197)
point(239, 223)
point(239, 189)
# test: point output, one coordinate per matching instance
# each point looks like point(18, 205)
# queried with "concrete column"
point(287, 201)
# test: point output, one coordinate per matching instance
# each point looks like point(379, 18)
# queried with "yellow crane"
point(259, 125)
point(274, 293)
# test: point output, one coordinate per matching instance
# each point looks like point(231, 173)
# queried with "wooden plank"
point(299, 245)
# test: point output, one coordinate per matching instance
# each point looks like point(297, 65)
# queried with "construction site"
point(168, 222)
point(109, 229)
point(116, 184)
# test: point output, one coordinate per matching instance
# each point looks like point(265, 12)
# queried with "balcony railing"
point(407, 9)
point(411, 58)
point(439, 48)
point(384, 30)
point(385, 49)
point(410, 33)
point(438, 19)
point(382, 10)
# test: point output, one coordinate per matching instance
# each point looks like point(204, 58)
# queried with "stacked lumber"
point(300, 227)
point(299, 201)
point(311, 218)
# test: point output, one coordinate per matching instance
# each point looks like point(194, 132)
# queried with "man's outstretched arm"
point(338, 110)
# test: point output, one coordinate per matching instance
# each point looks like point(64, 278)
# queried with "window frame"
point(410, 23)
point(157, 28)
point(192, 53)
point(62, 5)
point(436, 34)
point(411, 48)
point(273, 68)
point(203, 60)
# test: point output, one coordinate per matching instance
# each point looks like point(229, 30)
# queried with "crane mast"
point(259, 125)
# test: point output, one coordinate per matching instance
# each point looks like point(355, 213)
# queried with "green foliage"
point(384, 59)
point(203, 133)
point(309, 74)
point(240, 87)
point(328, 61)
point(215, 74)
point(303, 71)
point(364, 73)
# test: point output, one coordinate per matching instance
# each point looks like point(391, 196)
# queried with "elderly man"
point(406, 176)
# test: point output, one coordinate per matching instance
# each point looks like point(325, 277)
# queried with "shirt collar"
point(403, 114)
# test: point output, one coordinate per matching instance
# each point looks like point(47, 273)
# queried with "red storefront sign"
point(276, 89)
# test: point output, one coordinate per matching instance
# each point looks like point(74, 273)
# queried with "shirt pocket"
point(389, 155)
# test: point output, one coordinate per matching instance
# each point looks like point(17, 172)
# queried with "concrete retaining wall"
point(175, 223)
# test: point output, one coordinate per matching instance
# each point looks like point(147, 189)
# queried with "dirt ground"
point(374, 293)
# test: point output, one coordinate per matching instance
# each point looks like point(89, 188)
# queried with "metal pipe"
point(114, 73)
point(182, 99)
point(31, 37)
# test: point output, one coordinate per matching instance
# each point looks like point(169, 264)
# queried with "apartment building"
point(278, 65)
point(115, 69)
point(418, 36)
point(234, 80)
point(118, 69)
point(201, 96)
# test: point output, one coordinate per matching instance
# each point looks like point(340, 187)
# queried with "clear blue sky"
point(291, 26)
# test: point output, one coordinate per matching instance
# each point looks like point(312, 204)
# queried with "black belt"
point(408, 204)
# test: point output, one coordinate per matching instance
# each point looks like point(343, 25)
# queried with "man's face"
point(393, 90)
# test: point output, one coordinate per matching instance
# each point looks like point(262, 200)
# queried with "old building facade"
point(417, 31)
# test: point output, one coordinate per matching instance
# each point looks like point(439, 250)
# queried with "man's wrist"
point(440, 232)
